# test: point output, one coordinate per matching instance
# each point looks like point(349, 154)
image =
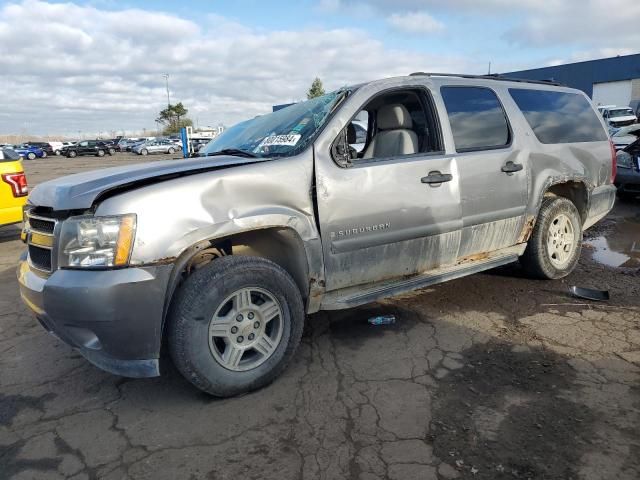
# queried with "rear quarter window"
point(559, 117)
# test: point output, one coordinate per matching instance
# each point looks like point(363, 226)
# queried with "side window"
point(477, 119)
point(559, 117)
point(402, 123)
point(361, 134)
point(84, 144)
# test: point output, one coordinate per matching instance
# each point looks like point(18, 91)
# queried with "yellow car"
point(13, 187)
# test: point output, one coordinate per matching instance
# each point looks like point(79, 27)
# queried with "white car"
point(57, 147)
point(619, 116)
point(623, 136)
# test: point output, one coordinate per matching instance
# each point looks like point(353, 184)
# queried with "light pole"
point(166, 77)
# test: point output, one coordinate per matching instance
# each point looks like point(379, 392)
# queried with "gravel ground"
point(492, 376)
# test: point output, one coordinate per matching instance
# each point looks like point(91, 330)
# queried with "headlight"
point(87, 242)
point(623, 159)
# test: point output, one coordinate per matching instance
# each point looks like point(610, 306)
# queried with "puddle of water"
point(620, 247)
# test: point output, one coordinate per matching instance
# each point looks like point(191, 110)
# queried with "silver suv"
point(221, 257)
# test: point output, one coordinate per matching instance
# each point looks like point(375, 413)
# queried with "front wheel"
point(144, 151)
point(31, 156)
point(72, 154)
point(101, 153)
point(58, 153)
point(556, 241)
point(171, 151)
point(235, 325)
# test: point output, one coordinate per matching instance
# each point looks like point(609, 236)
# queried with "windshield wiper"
point(234, 152)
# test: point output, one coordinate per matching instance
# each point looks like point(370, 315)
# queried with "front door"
point(394, 210)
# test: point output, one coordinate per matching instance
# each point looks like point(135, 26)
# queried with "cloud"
point(79, 68)
point(415, 22)
point(607, 26)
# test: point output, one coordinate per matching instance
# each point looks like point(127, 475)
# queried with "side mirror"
point(340, 150)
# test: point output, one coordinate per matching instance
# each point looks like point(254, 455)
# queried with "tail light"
point(18, 183)
point(614, 163)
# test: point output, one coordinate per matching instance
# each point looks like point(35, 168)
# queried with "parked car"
point(628, 177)
point(29, 152)
point(623, 136)
point(155, 146)
point(602, 108)
point(634, 105)
point(13, 187)
point(220, 257)
point(619, 116)
point(87, 147)
point(47, 149)
point(57, 147)
point(198, 144)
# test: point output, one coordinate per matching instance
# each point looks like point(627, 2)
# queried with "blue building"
point(608, 81)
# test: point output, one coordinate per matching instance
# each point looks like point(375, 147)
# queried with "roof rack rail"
point(493, 76)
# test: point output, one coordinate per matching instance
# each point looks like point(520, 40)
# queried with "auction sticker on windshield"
point(288, 140)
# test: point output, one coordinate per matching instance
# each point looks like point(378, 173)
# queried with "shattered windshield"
point(279, 134)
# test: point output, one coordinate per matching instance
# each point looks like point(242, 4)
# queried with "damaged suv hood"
point(82, 190)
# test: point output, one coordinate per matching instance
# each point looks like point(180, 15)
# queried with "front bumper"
point(112, 317)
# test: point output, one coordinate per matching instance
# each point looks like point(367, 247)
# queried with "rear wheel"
point(57, 152)
point(235, 325)
point(100, 153)
point(112, 151)
point(44, 154)
point(172, 151)
point(72, 154)
point(555, 244)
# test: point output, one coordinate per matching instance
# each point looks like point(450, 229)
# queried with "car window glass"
point(84, 144)
point(559, 117)
point(361, 133)
point(477, 119)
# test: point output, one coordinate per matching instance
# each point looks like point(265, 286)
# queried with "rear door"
point(493, 169)
point(384, 218)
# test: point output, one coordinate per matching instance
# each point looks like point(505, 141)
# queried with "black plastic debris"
point(589, 293)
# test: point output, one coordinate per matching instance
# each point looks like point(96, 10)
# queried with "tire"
point(100, 153)
point(112, 151)
point(556, 241)
point(72, 154)
point(171, 151)
point(144, 151)
point(58, 153)
point(31, 156)
point(44, 154)
point(215, 288)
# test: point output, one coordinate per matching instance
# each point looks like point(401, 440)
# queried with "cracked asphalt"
point(492, 376)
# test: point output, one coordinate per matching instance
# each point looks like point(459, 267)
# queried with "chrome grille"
point(40, 231)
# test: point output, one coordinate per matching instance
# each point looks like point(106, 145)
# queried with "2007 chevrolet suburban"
point(220, 257)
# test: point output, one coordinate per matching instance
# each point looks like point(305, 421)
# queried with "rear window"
point(559, 117)
point(10, 154)
point(477, 119)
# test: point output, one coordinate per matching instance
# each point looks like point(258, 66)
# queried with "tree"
point(316, 89)
point(174, 117)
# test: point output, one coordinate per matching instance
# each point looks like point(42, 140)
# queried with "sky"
point(90, 67)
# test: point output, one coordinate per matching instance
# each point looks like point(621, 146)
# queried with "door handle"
point(511, 167)
point(437, 177)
